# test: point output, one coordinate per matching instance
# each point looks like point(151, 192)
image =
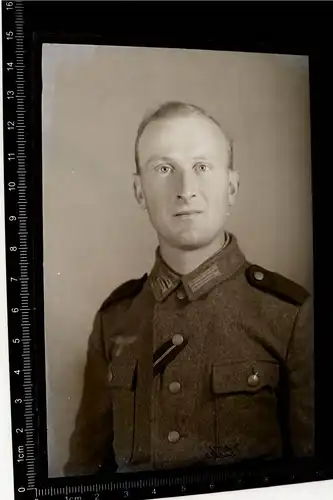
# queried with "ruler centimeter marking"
point(23, 248)
point(16, 214)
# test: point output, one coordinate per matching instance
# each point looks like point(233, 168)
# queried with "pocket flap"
point(122, 376)
point(244, 376)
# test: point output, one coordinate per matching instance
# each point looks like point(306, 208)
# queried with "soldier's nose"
point(187, 187)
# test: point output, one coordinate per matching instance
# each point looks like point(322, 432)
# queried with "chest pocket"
point(245, 407)
point(244, 377)
point(122, 376)
point(122, 383)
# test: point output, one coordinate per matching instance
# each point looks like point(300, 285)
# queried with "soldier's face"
point(184, 180)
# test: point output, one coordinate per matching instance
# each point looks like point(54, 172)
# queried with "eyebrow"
point(166, 158)
point(159, 158)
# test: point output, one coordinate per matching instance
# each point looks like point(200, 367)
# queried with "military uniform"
point(208, 368)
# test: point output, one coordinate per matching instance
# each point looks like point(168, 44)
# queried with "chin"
point(190, 242)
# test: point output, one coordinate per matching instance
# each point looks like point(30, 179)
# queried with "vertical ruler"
point(17, 244)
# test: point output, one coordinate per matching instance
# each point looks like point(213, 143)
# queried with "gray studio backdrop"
point(95, 236)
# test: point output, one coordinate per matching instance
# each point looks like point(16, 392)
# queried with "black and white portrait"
point(177, 243)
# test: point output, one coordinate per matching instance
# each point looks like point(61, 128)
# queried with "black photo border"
point(272, 27)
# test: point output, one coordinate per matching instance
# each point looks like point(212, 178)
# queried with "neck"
point(185, 261)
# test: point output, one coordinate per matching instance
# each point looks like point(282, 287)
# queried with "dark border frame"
point(230, 26)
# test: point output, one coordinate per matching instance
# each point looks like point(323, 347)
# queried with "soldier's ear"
point(138, 192)
point(233, 186)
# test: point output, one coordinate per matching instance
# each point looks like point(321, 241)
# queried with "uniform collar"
point(219, 267)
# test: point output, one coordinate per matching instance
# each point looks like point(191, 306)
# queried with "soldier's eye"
point(164, 169)
point(202, 167)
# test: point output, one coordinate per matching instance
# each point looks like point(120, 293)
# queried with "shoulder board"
point(127, 290)
point(276, 284)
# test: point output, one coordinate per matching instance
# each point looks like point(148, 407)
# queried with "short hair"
point(171, 109)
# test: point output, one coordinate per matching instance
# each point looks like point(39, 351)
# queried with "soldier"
point(208, 359)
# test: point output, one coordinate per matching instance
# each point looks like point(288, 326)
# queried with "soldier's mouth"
point(188, 213)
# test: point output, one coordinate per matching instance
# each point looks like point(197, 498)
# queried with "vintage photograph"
point(177, 257)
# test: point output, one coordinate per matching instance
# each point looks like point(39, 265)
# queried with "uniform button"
point(258, 275)
point(253, 380)
point(181, 294)
point(174, 387)
point(177, 339)
point(173, 436)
